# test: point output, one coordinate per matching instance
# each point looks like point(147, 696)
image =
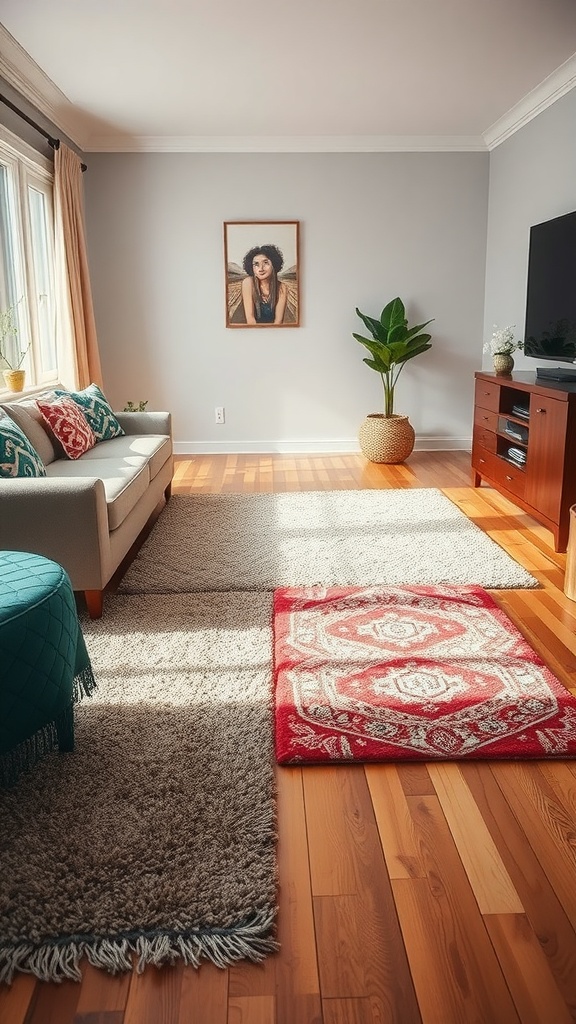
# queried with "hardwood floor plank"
point(561, 778)
point(547, 917)
point(100, 1017)
point(54, 1003)
point(415, 780)
point(102, 991)
point(547, 824)
point(252, 1010)
point(360, 951)
point(331, 811)
point(395, 823)
point(296, 966)
point(15, 1000)
point(154, 997)
point(442, 963)
point(340, 927)
point(203, 995)
point(456, 972)
point(527, 972)
point(348, 1011)
point(490, 882)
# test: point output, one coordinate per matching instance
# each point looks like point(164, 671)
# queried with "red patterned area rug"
point(410, 673)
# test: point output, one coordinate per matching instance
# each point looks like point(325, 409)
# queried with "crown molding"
point(287, 144)
point(544, 95)
point(24, 75)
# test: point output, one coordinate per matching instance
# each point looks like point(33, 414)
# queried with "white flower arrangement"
point(8, 326)
point(503, 342)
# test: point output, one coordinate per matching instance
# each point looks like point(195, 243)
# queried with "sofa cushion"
point(125, 481)
point(97, 411)
point(17, 455)
point(155, 447)
point(68, 424)
point(28, 416)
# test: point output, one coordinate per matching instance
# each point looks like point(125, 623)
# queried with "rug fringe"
point(22, 757)
point(59, 959)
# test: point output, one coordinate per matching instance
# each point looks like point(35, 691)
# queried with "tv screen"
point(550, 331)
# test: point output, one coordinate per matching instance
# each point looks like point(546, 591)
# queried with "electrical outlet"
point(219, 414)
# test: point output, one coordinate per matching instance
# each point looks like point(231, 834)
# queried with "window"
point(27, 258)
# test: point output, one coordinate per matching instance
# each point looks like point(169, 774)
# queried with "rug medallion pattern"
point(410, 672)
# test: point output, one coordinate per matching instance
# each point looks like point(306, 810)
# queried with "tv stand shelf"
point(534, 465)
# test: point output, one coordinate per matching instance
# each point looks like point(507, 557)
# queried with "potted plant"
point(388, 437)
point(502, 344)
point(136, 406)
point(14, 376)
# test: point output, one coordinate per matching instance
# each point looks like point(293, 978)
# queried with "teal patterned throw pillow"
point(17, 456)
point(97, 411)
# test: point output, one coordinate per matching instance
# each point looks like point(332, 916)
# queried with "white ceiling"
point(307, 74)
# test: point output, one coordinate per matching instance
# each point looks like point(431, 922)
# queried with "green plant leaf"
point(373, 346)
point(413, 352)
point(397, 333)
point(421, 339)
point(393, 314)
point(416, 330)
point(374, 326)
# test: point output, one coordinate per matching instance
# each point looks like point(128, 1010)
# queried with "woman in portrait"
point(263, 294)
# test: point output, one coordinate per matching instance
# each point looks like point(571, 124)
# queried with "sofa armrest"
point(145, 422)
point(63, 519)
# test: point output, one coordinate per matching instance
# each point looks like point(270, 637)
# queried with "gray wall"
point(532, 179)
point(372, 226)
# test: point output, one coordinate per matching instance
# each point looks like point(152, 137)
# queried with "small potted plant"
point(388, 437)
point(502, 344)
point(14, 375)
point(136, 406)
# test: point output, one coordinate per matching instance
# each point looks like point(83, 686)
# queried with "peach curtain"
point(78, 356)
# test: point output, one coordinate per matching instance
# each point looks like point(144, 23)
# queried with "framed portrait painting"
point(262, 273)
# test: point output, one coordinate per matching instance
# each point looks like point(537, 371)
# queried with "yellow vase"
point(14, 379)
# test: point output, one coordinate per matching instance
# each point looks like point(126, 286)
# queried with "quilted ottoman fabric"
point(44, 664)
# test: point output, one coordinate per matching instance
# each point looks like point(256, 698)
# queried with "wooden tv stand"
point(539, 420)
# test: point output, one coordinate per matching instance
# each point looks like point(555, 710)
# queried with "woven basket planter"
point(14, 379)
point(386, 438)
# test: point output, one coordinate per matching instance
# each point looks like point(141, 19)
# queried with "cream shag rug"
point(155, 840)
point(347, 538)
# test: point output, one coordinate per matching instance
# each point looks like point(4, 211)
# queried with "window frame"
point(29, 169)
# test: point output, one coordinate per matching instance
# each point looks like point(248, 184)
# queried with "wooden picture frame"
point(262, 272)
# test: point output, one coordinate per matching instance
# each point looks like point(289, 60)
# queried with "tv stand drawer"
point(499, 471)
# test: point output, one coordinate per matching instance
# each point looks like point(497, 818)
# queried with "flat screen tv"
point(550, 331)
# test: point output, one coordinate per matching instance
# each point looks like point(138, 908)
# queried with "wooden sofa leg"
point(168, 492)
point(94, 603)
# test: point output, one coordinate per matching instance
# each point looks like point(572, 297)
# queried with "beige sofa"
point(87, 513)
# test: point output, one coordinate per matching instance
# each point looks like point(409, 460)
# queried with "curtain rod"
point(55, 143)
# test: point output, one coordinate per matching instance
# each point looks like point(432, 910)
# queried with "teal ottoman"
point(44, 664)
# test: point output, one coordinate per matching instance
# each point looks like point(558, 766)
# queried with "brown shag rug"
point(155, 840)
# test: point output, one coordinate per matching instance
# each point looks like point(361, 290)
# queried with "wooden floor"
point(436, 893)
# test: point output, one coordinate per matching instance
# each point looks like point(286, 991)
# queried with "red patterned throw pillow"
point(68, 424)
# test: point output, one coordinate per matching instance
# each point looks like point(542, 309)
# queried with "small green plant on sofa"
point(136, 406)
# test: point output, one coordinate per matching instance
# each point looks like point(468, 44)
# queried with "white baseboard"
point(318, 446)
